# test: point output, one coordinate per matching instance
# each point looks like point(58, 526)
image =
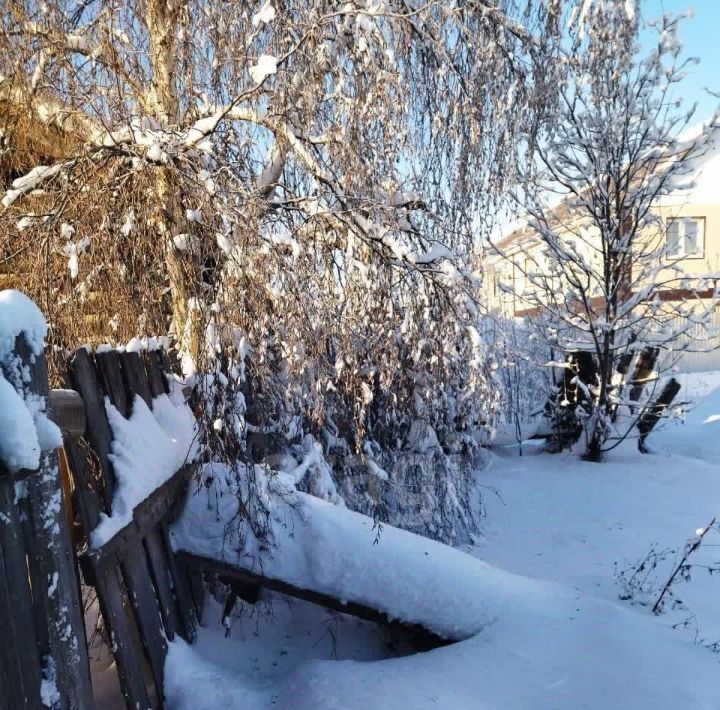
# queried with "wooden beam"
point(653, 413)
point(68, 412)
point(146, 517)
point(422, 637)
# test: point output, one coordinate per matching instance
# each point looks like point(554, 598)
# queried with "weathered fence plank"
point(181, 587)
point(12, 678)
point(652, 414)
point(112, 599)
point(19, 623)
point(142, 597)
point(155, 371)
point(161, 579)
point(136, 381)
point(108, 366)
point(29, 645)
point(84, 379)
point(53, 576)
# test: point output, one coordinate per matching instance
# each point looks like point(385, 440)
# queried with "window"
point(686, 237)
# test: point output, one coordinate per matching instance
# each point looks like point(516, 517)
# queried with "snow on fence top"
point(147, 449)
point(18, 314)
point(25, 429)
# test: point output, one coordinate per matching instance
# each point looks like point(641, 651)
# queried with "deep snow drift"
point(549, 629)
point(335, 551)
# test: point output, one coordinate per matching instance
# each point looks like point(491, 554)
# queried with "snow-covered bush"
point(394, 416)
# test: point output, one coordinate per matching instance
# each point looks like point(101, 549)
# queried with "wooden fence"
point(144, 592)
point(147, 594)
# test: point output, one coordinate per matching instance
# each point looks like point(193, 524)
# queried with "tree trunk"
point(184, 272)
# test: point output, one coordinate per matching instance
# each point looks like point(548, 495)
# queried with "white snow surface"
point(333, 550)
point(147, 449)
point(25, 429)
point(19, 444)
point(18, 314)
point(543, 624)
point(266, 66)
point(265, 15)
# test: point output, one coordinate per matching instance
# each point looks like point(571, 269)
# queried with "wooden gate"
point(146, 595)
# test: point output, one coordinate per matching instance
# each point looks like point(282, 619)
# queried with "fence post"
point(56, 606)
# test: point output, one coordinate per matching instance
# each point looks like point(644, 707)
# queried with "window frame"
point(681, 239)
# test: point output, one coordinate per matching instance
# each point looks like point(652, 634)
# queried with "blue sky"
point(700, 35)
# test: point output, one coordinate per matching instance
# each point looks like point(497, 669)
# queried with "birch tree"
point(191, 126)
point(299, 181)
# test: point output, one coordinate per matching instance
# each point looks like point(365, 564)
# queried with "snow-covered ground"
point(557, 633)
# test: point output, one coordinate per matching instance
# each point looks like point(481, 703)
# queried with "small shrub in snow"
point(655, 580)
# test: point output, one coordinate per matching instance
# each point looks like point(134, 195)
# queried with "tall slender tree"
point(602, 274)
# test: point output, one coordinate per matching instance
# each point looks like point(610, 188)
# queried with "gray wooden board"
point(144, 602)
point(110, 374)
point(18, 627)
point(181, 587)
point(161, 580)
point(423, 637)
point(12, 686)
point(84, 379)
point(135, 377)
point(111, 596)
point(156, 376)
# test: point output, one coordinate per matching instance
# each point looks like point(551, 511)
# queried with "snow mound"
point(555, 650)
point(697, 435)
point(194, 683)
point(25, 429)
point(330, 549)
point(527, 644)
point(19, 445)
point(18, 314)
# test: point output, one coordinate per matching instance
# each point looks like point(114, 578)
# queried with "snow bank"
point(193, 683)
point(147, 449)
point(554, 650)
point(25, 429)
point(333, 550)
point(543, 646)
